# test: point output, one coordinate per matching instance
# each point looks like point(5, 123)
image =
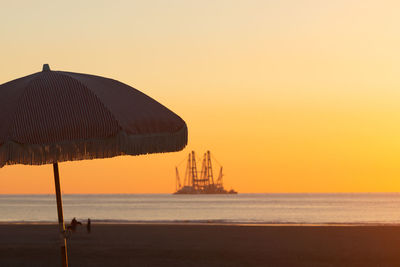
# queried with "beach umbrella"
point(54, 116)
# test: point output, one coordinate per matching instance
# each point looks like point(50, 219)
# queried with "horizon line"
point(271, 193)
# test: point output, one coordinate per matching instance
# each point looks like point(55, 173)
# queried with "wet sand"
point(203, 245)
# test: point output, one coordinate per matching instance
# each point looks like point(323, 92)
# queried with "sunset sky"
point(290, 96)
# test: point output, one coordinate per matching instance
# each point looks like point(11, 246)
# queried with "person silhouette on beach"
point(73, 225)
point(89, 226)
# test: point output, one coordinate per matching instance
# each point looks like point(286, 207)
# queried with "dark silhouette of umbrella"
point(54, 116)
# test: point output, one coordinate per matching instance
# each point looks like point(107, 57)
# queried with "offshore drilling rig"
point(200, 182)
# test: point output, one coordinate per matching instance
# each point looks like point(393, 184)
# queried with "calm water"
point(242, 208)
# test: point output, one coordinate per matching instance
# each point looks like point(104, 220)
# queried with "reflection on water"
point(241, 208)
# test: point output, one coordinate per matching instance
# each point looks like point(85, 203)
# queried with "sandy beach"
point(203, 245)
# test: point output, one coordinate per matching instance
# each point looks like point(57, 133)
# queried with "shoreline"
point(215, 224)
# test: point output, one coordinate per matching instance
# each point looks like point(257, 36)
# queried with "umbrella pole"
point(63, 240)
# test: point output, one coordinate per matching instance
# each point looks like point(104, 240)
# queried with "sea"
point(343, 208)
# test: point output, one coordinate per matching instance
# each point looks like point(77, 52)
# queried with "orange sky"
point(290, 96)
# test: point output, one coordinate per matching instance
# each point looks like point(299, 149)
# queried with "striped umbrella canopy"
point(54, 116)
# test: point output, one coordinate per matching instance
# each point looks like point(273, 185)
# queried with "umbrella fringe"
point(118, 145)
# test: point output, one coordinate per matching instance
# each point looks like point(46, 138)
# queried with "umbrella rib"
point(94, 94)
point(12, 117)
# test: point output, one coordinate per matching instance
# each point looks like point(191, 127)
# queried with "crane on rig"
point(200, 182)
point(178, 181)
